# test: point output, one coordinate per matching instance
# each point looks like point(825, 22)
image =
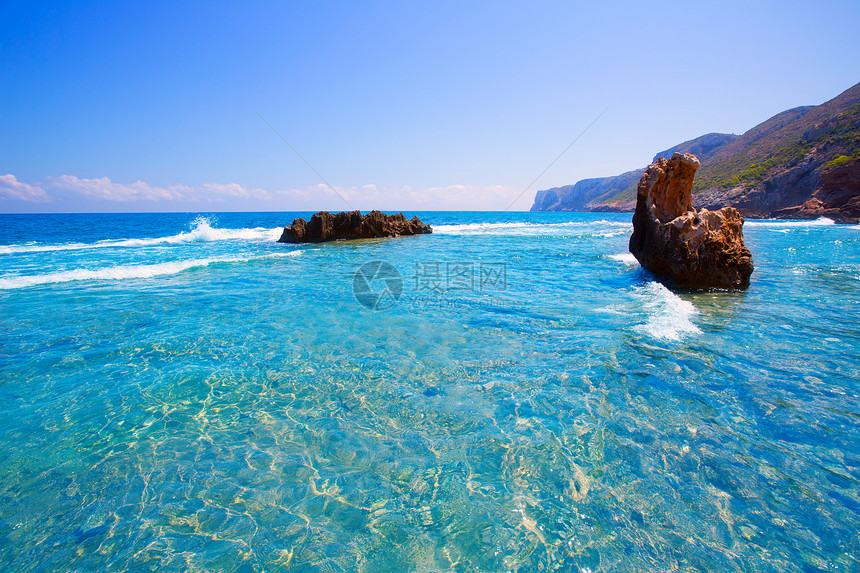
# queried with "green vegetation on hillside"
point(842, 159)
point(770, 155)
point(628, 194)
point(772, 166)
point(739, 170)
point(786, 157)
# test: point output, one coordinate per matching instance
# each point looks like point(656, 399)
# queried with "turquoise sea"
point(180, 392)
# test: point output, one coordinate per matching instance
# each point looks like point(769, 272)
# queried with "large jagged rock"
point(324, 226)
point(682, 247)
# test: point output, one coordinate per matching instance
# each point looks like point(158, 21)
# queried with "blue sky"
point(113, 106)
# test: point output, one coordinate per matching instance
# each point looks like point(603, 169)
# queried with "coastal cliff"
point(618, 193)
point(799, 163)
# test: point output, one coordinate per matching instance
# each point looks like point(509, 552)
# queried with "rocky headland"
point(685, 248)
point(801, 163)
point(325, 226)
point(837, 198)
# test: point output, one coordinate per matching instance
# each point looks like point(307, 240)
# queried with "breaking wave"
point(669, 316)
point(201, 232)
point(779, 224)
point(626, 258)
point(123, 272)
point(601, 227)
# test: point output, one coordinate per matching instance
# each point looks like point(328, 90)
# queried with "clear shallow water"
point(183, 393)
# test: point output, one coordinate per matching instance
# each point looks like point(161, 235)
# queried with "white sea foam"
point(123, 272)
point(201, 232)
point(781, 225)
point(609, 228)
point(626, 258)
point(669, 316)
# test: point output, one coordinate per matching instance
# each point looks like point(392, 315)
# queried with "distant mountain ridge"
point(799, 163)
point(587, 194)
point(703, 147)
point(597, 194)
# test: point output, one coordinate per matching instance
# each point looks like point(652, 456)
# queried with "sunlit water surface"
point(183, 393)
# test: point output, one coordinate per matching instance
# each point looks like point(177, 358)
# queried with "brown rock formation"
point(838, 198)
point(324, 226)
point(685, 248)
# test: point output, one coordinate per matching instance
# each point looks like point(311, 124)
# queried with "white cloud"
point(11, 188)
point(139, 194)
point(218, 190)
point(105, 189)
point(449, 197)
point(479, 197)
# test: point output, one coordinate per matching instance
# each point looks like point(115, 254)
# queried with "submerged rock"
point(324, 226)
point(682, 247)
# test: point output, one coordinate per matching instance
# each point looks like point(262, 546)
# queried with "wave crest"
point(123, 272)
point(626, 258)
point(601, 227)
point(780, 224)
point(201, 231)
point(669, 316)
